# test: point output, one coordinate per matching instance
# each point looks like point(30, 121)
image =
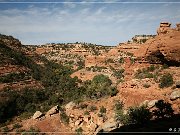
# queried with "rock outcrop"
point(164, 28)
point(164, 48)
point(175, 95)
point(149, 104)
point(108, 126)
point(69, 106)
point(152, 103)
point(178, 26)
point(53, 110)
point(95, 61)
point(37, 115)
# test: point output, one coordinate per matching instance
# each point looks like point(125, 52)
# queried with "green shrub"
point(102, 79)
point(119, 105)
point(79, 131)
point(132, 60)
point(151, 68)
point(144, 73)
point(102, 110)
point(5, 129)
point(119, 73)
point(119, 113)
point(110, 60)
point(165, 66)
point(121, 60)
point(86, 113)
point(121, 117)
point(166, 80)
point(64, 117)
point(113, 91)
point(13, 77)
point(92, 108)
point(99, 87)
point(17, 125)
point(83, 106)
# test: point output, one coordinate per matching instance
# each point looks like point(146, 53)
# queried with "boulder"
point(152, 103)
point(175, 95)
point(78, 122)
point(109, 125)
point(100, 120)
point(37, 115)
point(92, 127)
point(178, 84)
point(70, 106)
point(87, 118)
point(144, 103)
point(53, 110)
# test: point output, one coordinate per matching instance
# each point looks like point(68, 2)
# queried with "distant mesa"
point(164, 28)
point(141, 38)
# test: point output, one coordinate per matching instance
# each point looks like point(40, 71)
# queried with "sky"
point(104, 22)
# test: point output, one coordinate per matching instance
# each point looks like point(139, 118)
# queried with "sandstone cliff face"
point(164, 48)
point(164, 28)
point(95, 61)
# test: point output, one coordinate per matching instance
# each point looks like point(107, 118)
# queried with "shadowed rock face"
point(164, 48)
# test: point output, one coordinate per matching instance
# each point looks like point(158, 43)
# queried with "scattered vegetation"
point(92, 108)
point(99, 87)
point(5, 129)
point(132, 60)
point(119, 113)
point(13, 77)
point(17, 125)
point(86, 113)
point(119, 73)
point(144, 73)
point(79, 131)
point(166, 80)
point(95, 68)
point(83, 106)
point(102, 111)
point(110, 60)
point(64, 117)
point(32, 131)
point(121, 60)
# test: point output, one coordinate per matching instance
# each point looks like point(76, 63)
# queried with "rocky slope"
point(15, 69)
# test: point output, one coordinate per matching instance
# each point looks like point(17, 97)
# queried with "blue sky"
point(107, 23)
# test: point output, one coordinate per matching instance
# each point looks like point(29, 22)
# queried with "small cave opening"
point(158, 58)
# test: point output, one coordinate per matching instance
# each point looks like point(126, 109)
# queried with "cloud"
point(98, 23)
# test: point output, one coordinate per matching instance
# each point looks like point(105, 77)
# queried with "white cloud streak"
point(75, 22)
